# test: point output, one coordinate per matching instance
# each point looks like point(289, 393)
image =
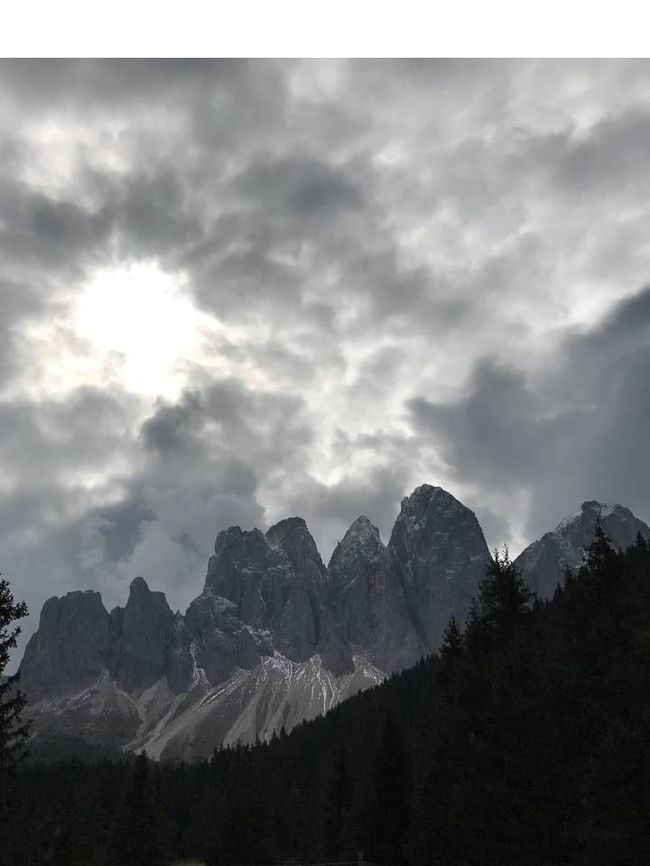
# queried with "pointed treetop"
point(600, 551)
point(452, 641)
point(504, 597)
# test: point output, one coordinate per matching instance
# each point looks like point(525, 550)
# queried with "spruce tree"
point(504, 598)
point(13, 730)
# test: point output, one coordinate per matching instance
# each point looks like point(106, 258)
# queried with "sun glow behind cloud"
point(132, 327)
point(138, 320)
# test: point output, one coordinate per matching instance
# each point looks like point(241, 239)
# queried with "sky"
point(232, 292)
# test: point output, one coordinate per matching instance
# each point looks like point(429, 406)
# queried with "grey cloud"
point(171, 426)
point(150, 213)
point(121, 526)
point(316, 355)
point(261, 426)
point(41, 232)
point(146, 215)
point(496, 432)
point(41, 82)
point(19, 302)
point(44, 440)
point(303, 219)
point(628, 320)
point(301, 187)
point(613, 154)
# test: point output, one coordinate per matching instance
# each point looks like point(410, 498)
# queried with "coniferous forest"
point(525, 740)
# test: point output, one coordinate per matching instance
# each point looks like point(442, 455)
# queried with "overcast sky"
point(232, 292)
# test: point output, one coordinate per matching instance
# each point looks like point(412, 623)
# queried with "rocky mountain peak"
point(591, 510)
point(288, 526)
point(248, 541)
point(295, 540)
point(427, 504)
point(138, 585)
point(432, 521)
point(362, 532)
point(360, 545)
point(246, 570)
point(72, 645)
point(438, 549)
point(141, 644)
point(544, 561)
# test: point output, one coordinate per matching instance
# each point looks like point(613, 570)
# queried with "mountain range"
point(275, 637)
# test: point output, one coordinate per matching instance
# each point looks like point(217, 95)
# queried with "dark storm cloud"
point(301, 188)
point(38, 231)
point(145, 214)
point(150, 213)
point(628, 321)
point(170, 428)
point(265, 427)
point(498, 431)
point(289, 217)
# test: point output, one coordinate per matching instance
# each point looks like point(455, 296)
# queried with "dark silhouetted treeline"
point(525, 741)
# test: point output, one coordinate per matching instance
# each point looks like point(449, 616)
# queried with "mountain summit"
point(544, 561)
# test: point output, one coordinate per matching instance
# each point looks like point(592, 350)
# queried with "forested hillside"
point(526, 740)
